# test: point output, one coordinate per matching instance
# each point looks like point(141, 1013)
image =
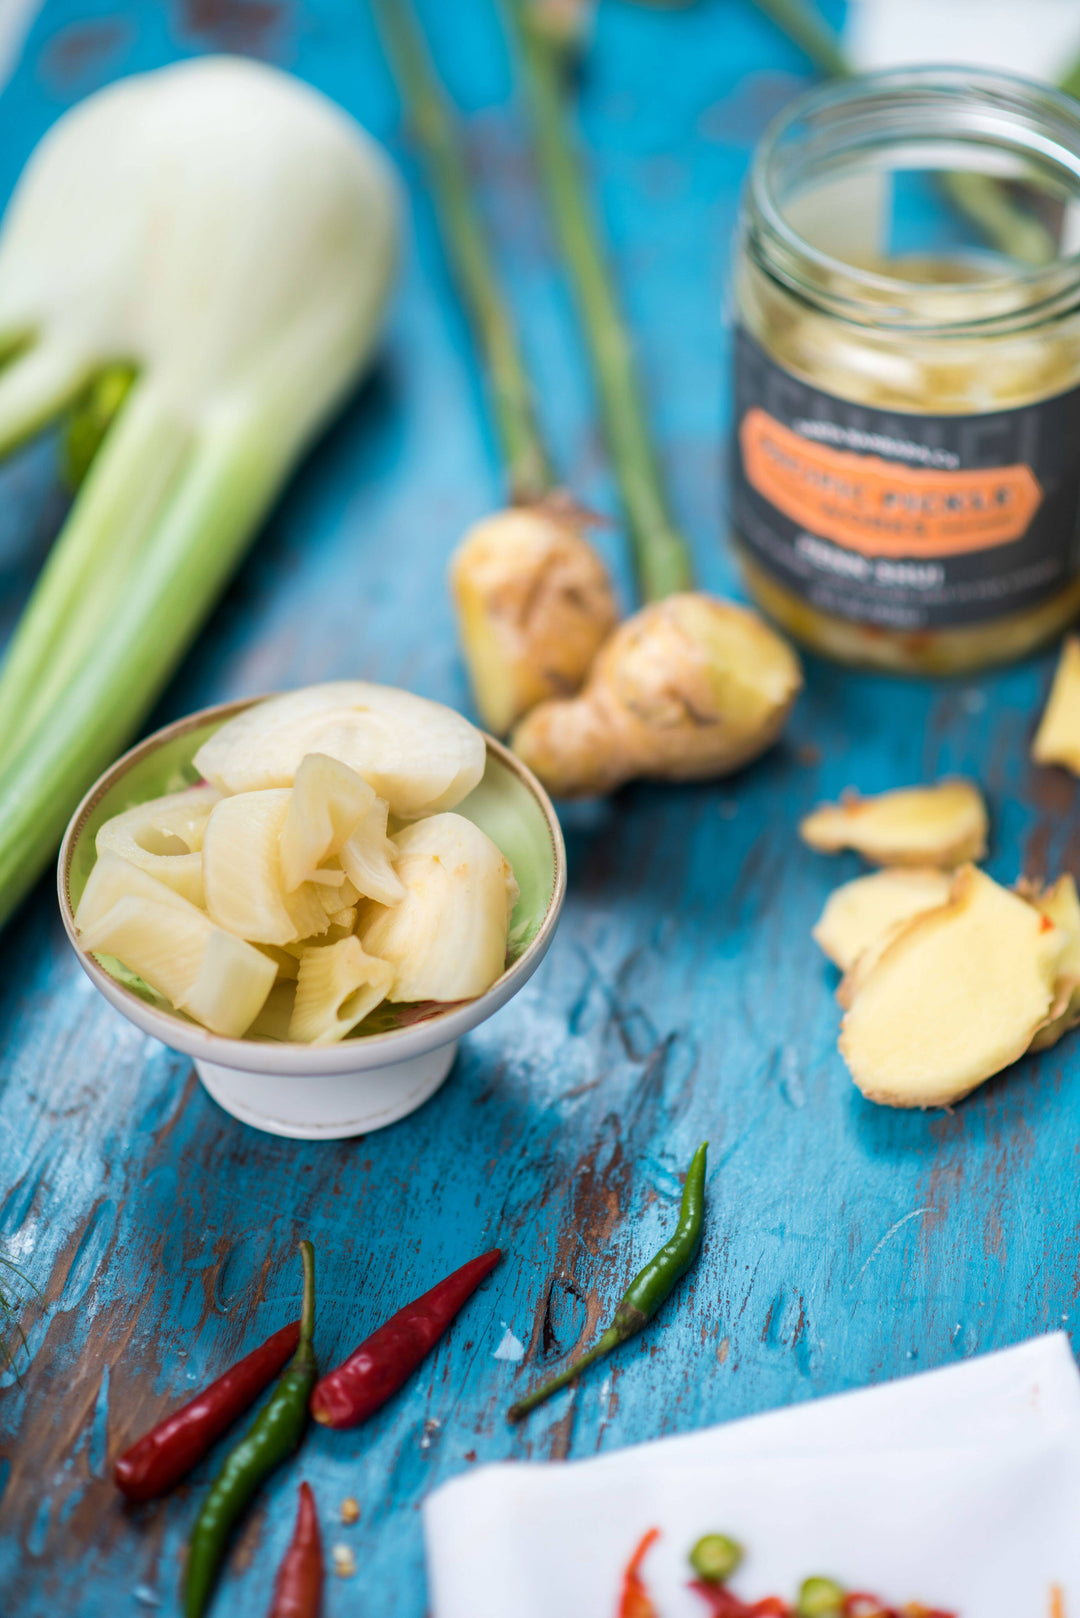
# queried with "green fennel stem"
point(647, 1291)
point(74, 601)
point(980, 197)
point(227, 488)
point(91, 418)
point(528, 465)
point(661, 554)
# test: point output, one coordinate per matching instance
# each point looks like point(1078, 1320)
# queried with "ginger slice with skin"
point(1062, 905)
point(942, 825)
point(1057, 740)
point(956, 997)
point(859, 913)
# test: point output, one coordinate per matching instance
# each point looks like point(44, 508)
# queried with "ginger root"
point(857, 914)
point(534, 604)
point(1057, 740)
point(689, 687)
point(942, 825)
point(958, 994)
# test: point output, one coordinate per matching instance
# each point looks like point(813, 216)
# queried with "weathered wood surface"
point(683, 997)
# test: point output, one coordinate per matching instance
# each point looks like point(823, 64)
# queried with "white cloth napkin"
point(1037, 37)
point(959, 1488)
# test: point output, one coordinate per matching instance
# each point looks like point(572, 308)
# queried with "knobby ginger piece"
point(534, 604)
point(857, 914)
point(1057, 740)
point(958, 995)
point(688, 688)
point(1062, 905)
point(942, 825)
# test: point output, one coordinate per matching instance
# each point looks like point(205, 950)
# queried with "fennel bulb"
point(231, 235)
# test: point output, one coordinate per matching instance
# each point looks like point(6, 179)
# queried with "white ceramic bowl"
point(369, 1080)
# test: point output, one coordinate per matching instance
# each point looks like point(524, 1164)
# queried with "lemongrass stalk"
point(74, 601)
point(807, 29)
point(527, 463)
point(1070, 79)
point(980, 197)
point(661, 554)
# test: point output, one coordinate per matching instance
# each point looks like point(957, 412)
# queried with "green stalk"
point(661, 554)
point(1070, 80)
point(527, 463)
point(75, 599)
point(91, 419)
point(36, 384)
point(981, 198)
point(228, 485)
point(811, 33)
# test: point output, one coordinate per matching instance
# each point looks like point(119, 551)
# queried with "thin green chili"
point(646, 1292)
point(274, 1436)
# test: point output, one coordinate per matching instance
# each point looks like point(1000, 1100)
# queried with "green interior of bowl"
point(502, 805)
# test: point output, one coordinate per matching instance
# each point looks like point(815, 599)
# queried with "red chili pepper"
point(299, 1584)
point(635, 1601)
point(168, 1451)
point(724, 1603)
point(390, 1355)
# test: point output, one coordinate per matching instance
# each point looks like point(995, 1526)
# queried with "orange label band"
point(882, 508)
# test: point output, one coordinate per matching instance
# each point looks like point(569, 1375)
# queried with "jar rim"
point(1031, 117)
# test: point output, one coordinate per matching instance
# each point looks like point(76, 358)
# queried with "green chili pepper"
point(272, 1439)
point(820, 1598)
point(646, 1292)
point(715, 1557)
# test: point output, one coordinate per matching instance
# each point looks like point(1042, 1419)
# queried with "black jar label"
point(900, 520)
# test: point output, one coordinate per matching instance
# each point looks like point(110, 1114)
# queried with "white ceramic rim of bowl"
point(290, 1060)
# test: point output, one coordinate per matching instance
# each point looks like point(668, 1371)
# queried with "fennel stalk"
point(234, 235)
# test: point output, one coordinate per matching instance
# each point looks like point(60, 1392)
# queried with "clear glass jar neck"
point(965, 126)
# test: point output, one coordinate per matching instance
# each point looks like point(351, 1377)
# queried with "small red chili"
point(390, 1355)
point(724, 1603)
point(299, 1584)
point(635, 1601)
point(158, 1460)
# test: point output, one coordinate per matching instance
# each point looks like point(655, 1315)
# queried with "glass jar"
point(906, 467)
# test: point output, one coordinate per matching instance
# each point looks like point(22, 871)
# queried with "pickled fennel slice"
point(335, 834)
point(339, 984)
point(420, 756)
point(164, 838)
point(447, 937)
point(216, 978)
point(242, 878)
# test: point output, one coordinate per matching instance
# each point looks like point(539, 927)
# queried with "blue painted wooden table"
point(683, 998)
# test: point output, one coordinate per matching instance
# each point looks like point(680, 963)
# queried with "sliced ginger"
point(857, 915)
point(957, 995)
point(942, 825)
point(1057, 740)
point(1062, 905)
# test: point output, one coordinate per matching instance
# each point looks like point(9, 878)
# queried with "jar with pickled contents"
point(906, 466)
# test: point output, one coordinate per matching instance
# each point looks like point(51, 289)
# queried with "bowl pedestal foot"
point(328, 1106)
